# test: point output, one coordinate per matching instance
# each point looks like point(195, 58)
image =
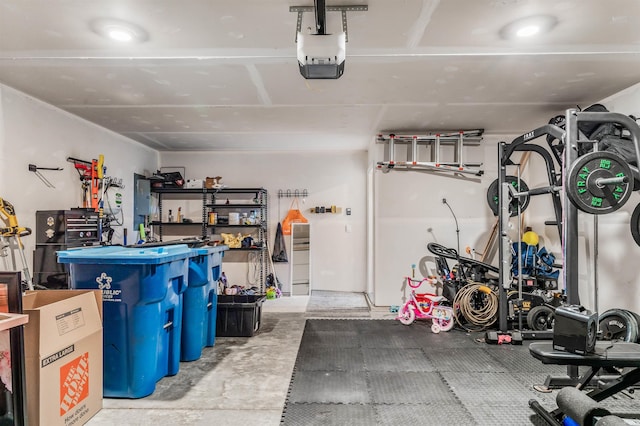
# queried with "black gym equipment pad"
point(624, 356)
point(380, 372)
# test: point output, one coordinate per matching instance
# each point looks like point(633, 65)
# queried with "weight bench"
point(607, 354)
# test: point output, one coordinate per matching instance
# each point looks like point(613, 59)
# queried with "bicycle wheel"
point(444, 324)
point(406, 314)
point(435, 328)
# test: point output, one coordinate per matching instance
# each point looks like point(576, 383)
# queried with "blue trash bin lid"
point(207, 250)
point(125, 255)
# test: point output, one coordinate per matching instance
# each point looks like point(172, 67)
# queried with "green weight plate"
point(492, 196)
point(584, 190)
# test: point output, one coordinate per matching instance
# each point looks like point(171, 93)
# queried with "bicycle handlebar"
point(411, 281)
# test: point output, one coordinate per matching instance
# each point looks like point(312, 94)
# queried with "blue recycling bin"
point(142, 291)
point(200, 301)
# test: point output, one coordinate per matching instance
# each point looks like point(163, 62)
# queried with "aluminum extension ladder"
point(434, 142)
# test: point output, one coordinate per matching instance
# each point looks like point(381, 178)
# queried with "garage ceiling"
point(223, 74)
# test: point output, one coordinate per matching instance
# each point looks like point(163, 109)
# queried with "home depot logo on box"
point(74, 382)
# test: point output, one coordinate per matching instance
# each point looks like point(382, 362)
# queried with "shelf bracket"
point(35, 169)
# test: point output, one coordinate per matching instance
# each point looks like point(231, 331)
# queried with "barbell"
point(598, 182)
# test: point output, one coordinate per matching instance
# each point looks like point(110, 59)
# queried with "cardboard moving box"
point(63, 354)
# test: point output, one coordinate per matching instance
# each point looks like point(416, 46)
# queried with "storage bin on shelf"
point(239, 315)
point(200, 301)
point(142, 291)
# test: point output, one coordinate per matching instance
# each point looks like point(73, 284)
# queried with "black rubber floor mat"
point(331, 325)
point(327, 358)
point(424, 414)
point(512, 414)
point(393, 359)
point(451, 339)
point(380, 372)
point(475, 389)
point(342, 339)
point(408, 388)
point(465, 359)
point(402, 339)
point(511, 358)
point(336, 387)
point(329, 415)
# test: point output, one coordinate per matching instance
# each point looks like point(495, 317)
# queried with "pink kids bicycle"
point(426, 306)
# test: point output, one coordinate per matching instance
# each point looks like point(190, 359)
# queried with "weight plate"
point(585, 190)
point(493, 199)
point(637, 318)
point(635, 224)
point(618, 324)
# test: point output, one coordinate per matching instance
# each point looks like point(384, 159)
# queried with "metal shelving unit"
point(221, 202)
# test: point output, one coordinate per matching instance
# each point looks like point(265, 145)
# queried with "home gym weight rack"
point(506, 208)
point(598, 182)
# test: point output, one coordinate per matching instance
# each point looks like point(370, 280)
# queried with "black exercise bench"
point(607, 354)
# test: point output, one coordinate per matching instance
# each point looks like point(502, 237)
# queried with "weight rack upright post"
point(570, 213)
point(503, 247)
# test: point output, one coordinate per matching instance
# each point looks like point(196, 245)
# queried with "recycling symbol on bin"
point(104, 281)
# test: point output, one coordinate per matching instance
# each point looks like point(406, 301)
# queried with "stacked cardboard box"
point(63, 356)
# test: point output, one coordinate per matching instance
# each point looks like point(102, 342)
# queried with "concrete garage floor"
point(240, 380)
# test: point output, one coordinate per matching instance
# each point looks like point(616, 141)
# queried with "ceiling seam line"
point(256, 79)
point(420, 25)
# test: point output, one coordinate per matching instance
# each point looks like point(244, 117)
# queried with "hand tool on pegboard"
point(104, 182)
point(84, 170)
point(95, 184)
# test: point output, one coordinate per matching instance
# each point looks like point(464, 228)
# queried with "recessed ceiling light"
point(118, 30)
point(529, 26)
point(119, 34)
point(528, 31)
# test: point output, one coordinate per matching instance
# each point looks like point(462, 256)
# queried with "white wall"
point(409, 213)
point(33, 132)
point(338, 246)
